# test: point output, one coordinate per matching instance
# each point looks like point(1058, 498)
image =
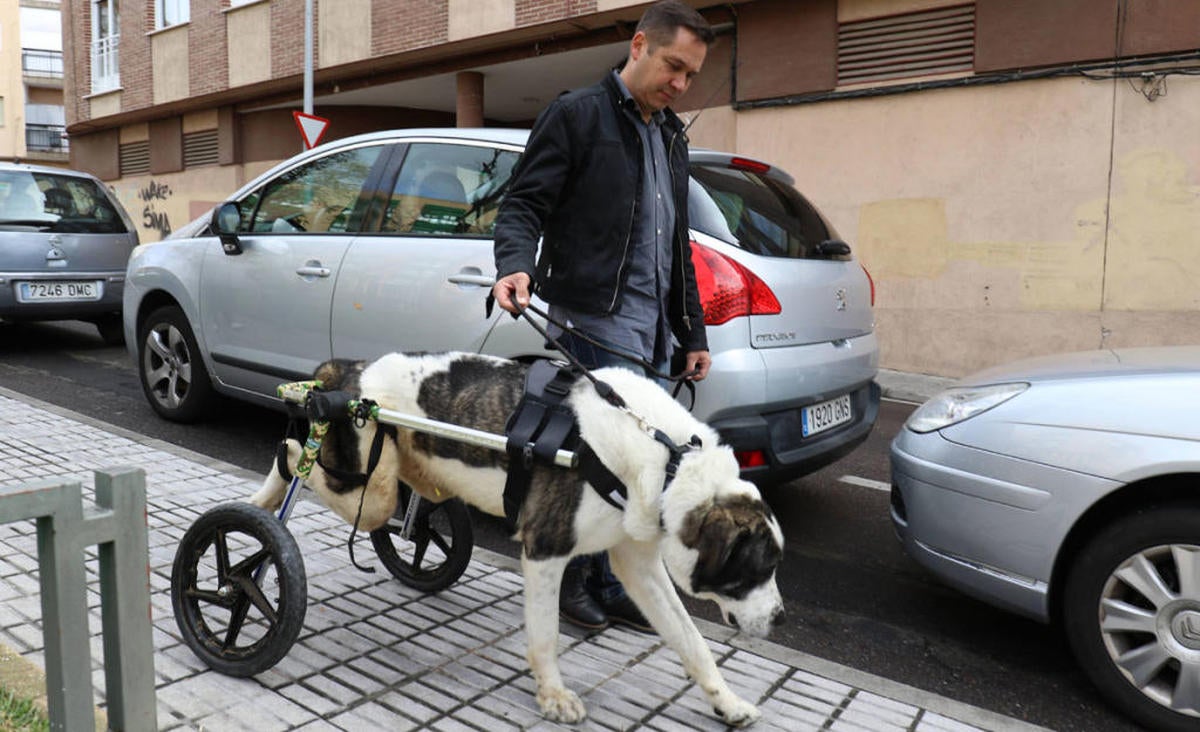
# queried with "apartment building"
point(1018, 176)
point(32, 117)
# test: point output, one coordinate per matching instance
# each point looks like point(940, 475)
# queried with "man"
point(604, 182)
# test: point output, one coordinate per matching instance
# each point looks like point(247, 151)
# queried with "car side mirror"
point(225, 221)
point(833, 248)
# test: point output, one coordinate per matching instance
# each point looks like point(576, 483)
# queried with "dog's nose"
point(779, 616)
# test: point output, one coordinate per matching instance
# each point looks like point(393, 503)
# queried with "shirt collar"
point(628, 102)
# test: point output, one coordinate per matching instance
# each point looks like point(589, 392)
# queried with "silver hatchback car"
point(64, 245)
point(382, 242)
point(1064, 488)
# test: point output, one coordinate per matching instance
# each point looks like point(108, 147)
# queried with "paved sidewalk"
point(374, 654)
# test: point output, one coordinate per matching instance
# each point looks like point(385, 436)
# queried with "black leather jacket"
point(578, 186)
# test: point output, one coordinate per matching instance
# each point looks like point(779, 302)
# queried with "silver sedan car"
point(1067, 489)
point(382, 242)
point(64, 244)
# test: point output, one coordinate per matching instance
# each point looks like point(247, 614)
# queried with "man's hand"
point(508, 287)
point(698, 360)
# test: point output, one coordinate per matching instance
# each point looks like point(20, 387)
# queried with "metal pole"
point(308, 56)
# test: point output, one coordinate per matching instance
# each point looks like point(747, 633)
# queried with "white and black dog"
point(708, 530)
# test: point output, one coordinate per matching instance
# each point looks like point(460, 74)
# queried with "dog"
point(705, 529)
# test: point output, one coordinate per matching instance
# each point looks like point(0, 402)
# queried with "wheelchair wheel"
point(238, 589)
point(438, 550)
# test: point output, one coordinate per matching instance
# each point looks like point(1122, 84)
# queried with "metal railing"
point(65, 529)
point(40, 62)
point(106, 70)
point(46, 138)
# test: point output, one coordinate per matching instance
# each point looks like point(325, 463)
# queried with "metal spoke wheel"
point(1132, 613)
point(438, 548)
point(238, 589)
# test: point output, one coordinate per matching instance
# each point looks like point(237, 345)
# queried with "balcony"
point(42, 63)
point(46, 138)
point(106, 73)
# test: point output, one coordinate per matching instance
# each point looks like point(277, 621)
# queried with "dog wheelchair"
point(238, 583)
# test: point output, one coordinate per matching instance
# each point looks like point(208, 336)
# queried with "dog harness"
point(542, 424)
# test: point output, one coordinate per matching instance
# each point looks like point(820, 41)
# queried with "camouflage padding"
point(312, 446)
point(296, 392)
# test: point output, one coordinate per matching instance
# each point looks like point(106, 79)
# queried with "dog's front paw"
point(561, 705)
point(738, 713)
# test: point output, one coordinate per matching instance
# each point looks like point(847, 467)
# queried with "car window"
point(448, 189)
point(57, 203)
point(755, 211)
point(318, 197)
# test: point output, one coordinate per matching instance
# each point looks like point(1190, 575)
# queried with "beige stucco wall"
point(159, 204)
point(345, 32)
point(467, 18)
point(248, 40)
point(984, 213)
point(12, 86)
point(169, 59)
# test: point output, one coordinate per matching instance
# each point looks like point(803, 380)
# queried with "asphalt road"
point(851, 594)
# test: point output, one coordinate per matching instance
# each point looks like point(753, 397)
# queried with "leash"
point(681, 379)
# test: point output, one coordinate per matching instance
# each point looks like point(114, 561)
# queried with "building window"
point(171, 12)
point(45, 128)
point(106, 38)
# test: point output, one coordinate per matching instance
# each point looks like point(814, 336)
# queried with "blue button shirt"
point(640, 324)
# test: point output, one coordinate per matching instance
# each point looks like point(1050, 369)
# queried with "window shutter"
point(200, 148)
point(913, 44)
point(134, 158)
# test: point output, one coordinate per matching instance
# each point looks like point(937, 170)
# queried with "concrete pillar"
point(469, 109)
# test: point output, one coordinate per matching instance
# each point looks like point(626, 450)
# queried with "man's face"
point(657, 78)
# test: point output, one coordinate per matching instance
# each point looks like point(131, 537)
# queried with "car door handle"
point(472, 277)
point(314, 271)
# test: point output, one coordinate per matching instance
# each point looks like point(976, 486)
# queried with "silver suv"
point(64, 245)
point(382, 242)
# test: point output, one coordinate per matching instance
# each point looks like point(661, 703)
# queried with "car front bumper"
point(987, 524)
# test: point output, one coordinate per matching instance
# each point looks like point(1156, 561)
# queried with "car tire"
point(111, 329)
point(172, 372)
point(1131, 610)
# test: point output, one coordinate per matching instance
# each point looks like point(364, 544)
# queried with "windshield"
point(56, 203)
point(758, 213)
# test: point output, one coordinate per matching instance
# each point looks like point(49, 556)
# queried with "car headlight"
point(959, 403)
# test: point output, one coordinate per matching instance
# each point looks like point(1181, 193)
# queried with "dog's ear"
point(734, 556)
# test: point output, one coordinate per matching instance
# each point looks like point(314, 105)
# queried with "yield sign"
point(312, 128)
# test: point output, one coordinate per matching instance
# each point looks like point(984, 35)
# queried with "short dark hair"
point(661, 21)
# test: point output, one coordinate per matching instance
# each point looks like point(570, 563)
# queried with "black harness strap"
point(539, 427)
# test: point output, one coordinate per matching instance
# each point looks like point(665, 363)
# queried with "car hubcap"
point(167, 365)
point(1150, 624)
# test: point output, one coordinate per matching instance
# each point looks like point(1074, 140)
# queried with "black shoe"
point(577, 606)
point(623, 611)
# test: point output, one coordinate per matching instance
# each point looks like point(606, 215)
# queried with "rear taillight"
point(871, 280)
point(727, 289)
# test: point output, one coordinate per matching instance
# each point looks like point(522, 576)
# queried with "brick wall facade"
point(208, 60)
point(422, 23)
point(535, 12)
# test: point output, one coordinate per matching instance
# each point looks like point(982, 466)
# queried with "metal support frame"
point(65, 528)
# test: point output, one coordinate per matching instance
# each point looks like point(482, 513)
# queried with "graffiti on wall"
point(153, 219)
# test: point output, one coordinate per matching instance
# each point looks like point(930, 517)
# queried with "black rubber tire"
point(111, 329)
point(235, 625)
point(445, 527)
point(1147, 535)
point(174, 378)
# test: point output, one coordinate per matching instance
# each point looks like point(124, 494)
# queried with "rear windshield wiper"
point(40, 223)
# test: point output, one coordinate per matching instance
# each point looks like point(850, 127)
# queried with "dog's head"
point(722, 541)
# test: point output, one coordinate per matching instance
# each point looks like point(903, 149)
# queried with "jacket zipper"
point(629, 230)
point(687, 321)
